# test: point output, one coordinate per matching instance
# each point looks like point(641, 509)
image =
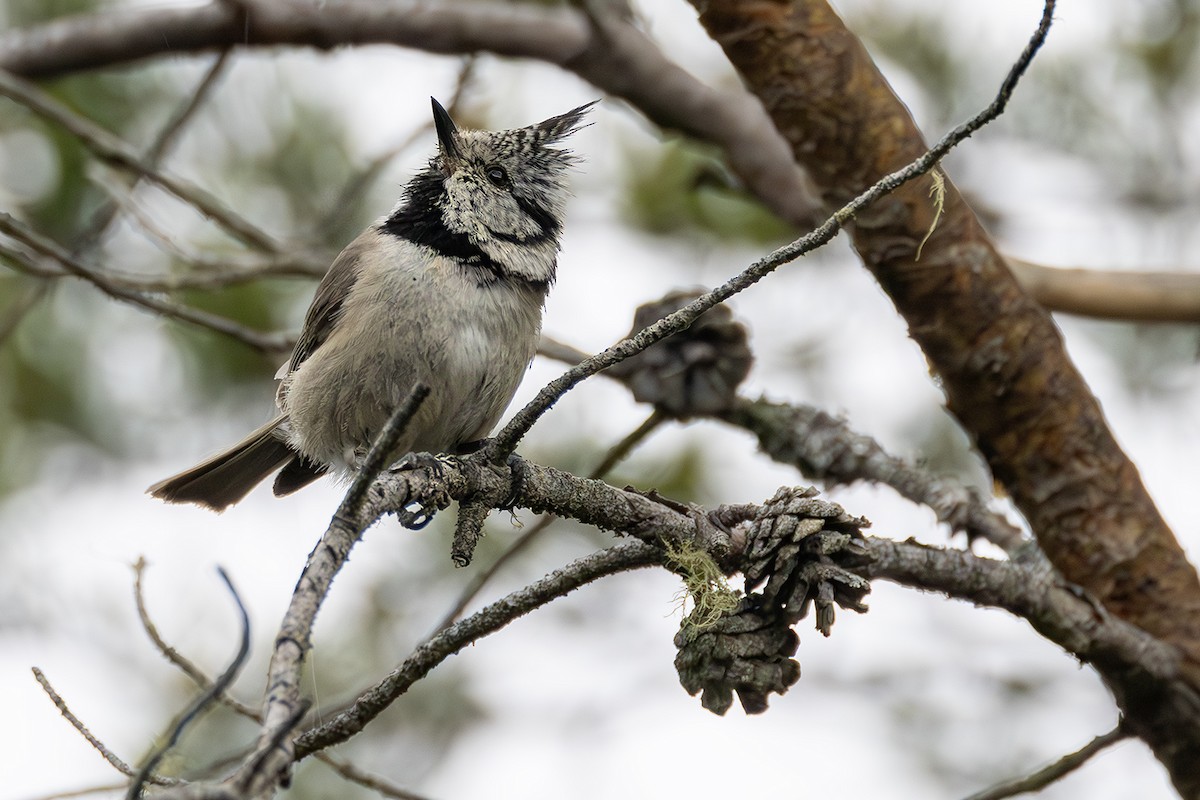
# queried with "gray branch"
point(604, 49)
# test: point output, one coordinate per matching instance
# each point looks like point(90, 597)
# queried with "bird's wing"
point(326, 307)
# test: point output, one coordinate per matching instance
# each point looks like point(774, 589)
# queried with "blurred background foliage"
point(274, 149)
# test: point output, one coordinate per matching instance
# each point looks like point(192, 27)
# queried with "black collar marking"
point(420, 221)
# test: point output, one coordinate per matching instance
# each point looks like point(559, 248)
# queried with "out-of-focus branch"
point(1112, 294)
point(603, 48)
point(78, 725)
point(111, 150)
point(163, 142)
point(1057, 771)
point(263, 342)
point(22, 305)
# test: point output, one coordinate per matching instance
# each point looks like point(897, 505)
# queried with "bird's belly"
point(339, 403)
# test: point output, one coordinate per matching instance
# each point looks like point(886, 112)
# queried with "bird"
point(447, 290)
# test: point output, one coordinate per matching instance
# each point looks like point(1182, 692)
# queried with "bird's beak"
point(447, 131)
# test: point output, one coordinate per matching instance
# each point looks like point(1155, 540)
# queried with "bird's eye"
point(497, 176)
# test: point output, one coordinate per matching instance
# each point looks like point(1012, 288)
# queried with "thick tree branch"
point(1001, 360)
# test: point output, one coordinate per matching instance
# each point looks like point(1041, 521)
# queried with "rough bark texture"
point(999, 356)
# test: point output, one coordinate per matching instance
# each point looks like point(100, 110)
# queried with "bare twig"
point(363, 778)
point(104, 216)
point(206, 698)
point(84, 792)
point(620, 558)
point(382, 451)
point(506, 440)
point(109, 756)
point(342, 768)
point(1047, 775)
point(326, 560)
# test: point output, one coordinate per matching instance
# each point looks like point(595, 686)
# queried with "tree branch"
point(111, 150)
point(1000, 358)
point(1136, 296)
point(263, 342)
point(109, 756)
point(1059, 769)
point(448, 641)
point(1145, 674)
point(604, 49)
point(826, 449)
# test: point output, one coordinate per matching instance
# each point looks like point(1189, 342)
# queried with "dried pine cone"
point(692, 373)
point(746, 652)
point(803, 548)
point(800, 550)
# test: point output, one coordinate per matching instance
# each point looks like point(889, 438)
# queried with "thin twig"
point(104, 216)
point(84, 792)
point(345, 769)
point(356, 775)
point(263, 342)
point(382, 451)
point(619, 558)
point(1059, 769)
point(295, 631)
point(206, 698)
point(100, 747)
point(184, 664)
point(508, 438)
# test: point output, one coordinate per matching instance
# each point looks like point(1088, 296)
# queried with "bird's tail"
point(227, 477)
